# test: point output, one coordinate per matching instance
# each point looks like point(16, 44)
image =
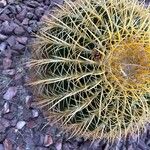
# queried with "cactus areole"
point(92, 64)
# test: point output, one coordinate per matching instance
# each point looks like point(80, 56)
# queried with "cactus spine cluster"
point(92, 65)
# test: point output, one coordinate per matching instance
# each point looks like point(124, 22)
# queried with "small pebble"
point(4, 123)
point(3, 47)
point(22, 40)
point(7, 28)
point(28, 101)
point(25, 21)
point(12, 9)
point(39, 11)
point(48, 140)
point(32, 4)
point(35, 113)
point(53, 2)
point(58, 145)
point(40, 1)
point(31, 124)
point(1, 147)
point(18, 47)
point(14, 24)
point(19, 31)
point(20, 124)
point(7, 63)
point(8, 145)
point(47, 2)
point(2, 137)
point(6, 108)
point(29, 29)
point(18, 76)
point(3, 3)
point(13, 122)
point(2, 37)
point(6, 11)
point(11, 1)
point(11, 40)
point(10, 93)
point(21, 15)
point(4, 17)
point(10, 72)
point(30, 15)
point(18, 8)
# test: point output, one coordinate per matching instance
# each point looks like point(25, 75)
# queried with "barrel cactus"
point(91, 61)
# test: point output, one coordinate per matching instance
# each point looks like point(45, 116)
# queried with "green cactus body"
point(92, 64)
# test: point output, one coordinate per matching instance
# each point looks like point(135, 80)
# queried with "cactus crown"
point(93, 67)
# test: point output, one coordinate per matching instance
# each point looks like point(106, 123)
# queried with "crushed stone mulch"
point(23, 127)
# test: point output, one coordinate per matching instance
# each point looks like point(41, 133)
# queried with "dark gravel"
point(23, 127)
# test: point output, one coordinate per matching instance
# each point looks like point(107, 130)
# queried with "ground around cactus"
point(22, 126)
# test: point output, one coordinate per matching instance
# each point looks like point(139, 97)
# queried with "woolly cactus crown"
point(92, 64)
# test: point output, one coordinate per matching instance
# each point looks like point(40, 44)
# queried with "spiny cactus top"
point(92, 64)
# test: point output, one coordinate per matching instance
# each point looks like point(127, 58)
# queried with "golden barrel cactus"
point(92, 64)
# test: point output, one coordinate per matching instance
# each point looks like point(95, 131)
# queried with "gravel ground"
point(23, 127)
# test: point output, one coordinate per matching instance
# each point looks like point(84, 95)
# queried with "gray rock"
point(25, 21)
point(28, 101)
point(3, 47)
point(40, 1)
point(67, 146)
point(33, 22)
point(47, 2)
point(35, 113)
point(13, 24)
point(7, 63)
point(4, 17)
point(2, 137)
point(142, 145)
point(27, 115)
point(39, 11)
point(12, 134)
point(32, 4)
point(30, 15)
point(20, 124)
point(18, 47)
point(2, 128)
point(19, 31)
point(29, 143)
point(3, 125)
point(42, 148)
point(22, 40)
point(33, 25)
point(2, 37)
point(48, 140)
point(21, 15)
point(3, 3)
point(17, 21)
point(6, 108)
point(1, 147)
point(10, 72)
point(60, 2)
point(12, 9)
point(8, 145)
point(18, 8)
point(7, 28)
point(10, 93)
point(13, 122)
point(6, 11)
point(11, 40)
point(29, 29)
point(38, 138)
point(11, 1)
point(58, 145)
